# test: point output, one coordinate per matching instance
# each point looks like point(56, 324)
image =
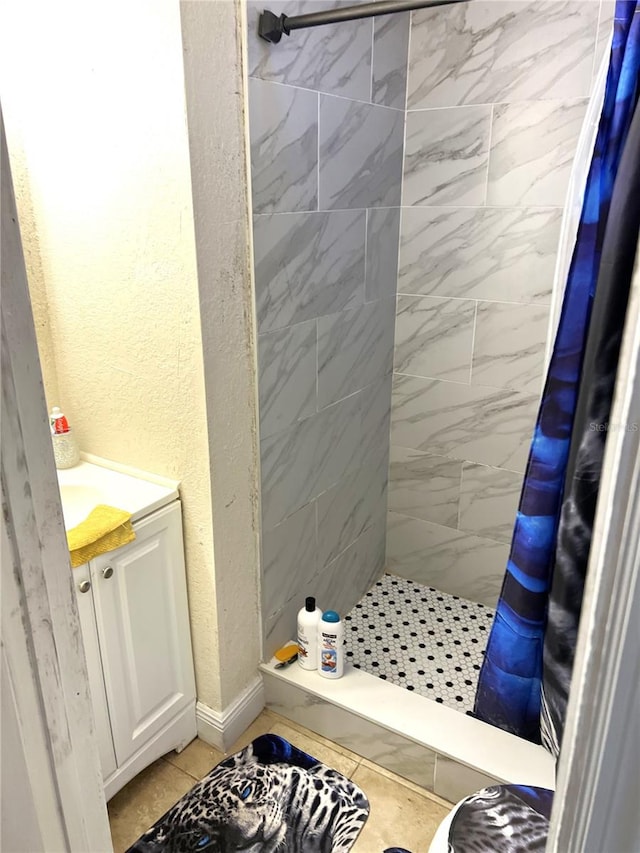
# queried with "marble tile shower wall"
point(326, 117)
point(497, 90)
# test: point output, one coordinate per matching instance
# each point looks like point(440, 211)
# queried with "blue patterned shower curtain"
point(509, 687)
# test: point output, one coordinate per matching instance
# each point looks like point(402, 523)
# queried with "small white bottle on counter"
point(331, 645)
point(308, 619)
point(65, 447)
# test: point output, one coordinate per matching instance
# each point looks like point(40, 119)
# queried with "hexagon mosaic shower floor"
point(421, 639)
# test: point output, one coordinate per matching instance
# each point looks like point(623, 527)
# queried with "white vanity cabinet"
point(135, 626)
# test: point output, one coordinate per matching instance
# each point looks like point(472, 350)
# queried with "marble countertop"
point(88, 484)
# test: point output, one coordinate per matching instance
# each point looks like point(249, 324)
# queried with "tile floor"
point(420, 638)
point(402, 814)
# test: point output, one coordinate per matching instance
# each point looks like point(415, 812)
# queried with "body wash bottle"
point(308, 619)
point(330, 645)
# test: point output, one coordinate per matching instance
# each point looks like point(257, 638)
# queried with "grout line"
point(181, 769)
point(341, 97)
point(427, 520)
point(596, 41)
point(536, 304)
point(452, 459)
point(479, 386)
point(486, 184)
point(335, 210)
point(473, 341)
point(373, 30)
point(536, 208)
point(408, 65)
point(437, 379)
point(318, 160)
point(404, 153)
point(479, 207)
point(462, 464)
point(317, 363)
point(366, 238)
point(464, 106)
point(356, 768)
point(575, 98)
point(288, 326)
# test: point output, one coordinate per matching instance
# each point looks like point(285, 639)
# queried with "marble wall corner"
point(361, 147)
point(301, 462)
point(338, 586)
point(326, 120)
point(355, 348)
point(450, 560)
point(289, 560)
point(375, 416)
point(350, 507)
point(280, 628)
point(383, 235)
point(390, 53)
point(341, 582)
point(424, 486)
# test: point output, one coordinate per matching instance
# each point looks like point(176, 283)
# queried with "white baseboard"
point(223, 728)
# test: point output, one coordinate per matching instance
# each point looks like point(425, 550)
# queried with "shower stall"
point(409, 174)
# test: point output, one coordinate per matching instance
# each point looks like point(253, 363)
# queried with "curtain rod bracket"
point(271, 26)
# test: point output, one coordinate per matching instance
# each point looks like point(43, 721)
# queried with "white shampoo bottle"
point(308, 620)
point(331, 645)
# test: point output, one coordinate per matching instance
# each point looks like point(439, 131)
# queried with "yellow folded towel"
point(104, 529)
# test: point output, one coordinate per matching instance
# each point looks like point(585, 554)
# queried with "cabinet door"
point(86, 610)
point(143, 626)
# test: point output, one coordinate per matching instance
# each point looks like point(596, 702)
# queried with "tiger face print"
point(508, 818)
point(244, 805)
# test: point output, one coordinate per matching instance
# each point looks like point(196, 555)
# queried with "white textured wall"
point(215, 94)
point(37, 278)
point(97, 130)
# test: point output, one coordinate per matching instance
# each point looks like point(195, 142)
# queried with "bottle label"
point(303, 646)
point(328, 660)
point(329, 640)
point(307, 648)
point(328, 652)
point(60, 425)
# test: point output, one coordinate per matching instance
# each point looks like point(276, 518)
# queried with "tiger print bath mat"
point(269, 798)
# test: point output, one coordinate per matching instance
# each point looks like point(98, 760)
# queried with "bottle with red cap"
point(65, 447)
point(58, 421)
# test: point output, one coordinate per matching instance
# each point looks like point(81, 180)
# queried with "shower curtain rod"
point(272, 26)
